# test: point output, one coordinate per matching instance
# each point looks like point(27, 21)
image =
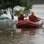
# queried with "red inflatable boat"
point(32, 22)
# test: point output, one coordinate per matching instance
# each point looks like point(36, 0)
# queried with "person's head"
point(21, 14)
point(32, 13)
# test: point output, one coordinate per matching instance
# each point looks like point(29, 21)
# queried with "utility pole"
point(12, 4)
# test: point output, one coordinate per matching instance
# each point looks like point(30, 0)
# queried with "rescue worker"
point(21, 17)
point(33, 17)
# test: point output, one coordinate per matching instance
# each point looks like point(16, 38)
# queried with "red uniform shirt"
point(33, 18)
point(21, 17)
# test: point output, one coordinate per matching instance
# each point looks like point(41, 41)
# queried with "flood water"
point(30, 36)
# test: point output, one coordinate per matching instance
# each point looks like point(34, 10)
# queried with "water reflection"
point(26, 36)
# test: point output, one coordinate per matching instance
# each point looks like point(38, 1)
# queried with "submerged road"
point(31, 36)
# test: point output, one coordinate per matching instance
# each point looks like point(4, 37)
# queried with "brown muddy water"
point(31, 36)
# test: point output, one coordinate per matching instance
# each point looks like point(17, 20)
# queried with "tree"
point(26, 3)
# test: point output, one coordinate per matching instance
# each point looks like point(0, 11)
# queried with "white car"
point(5, 23)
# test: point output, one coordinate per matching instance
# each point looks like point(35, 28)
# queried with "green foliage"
point(28, 7)
point(26, 4)
point(12, 3)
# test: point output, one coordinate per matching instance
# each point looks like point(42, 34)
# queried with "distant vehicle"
point(4, 22)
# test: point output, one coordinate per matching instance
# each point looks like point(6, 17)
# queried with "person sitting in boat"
point(33, 18)
point(21, 17)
